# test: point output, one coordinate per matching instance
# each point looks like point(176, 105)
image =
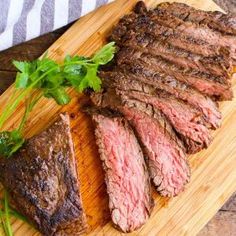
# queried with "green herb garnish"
point(47, 78)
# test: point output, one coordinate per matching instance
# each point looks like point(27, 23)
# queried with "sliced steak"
point(157, 46)
point(225, 23)
point(129, 78)
point(187, 122)
point(126, 173)
point(194, 30)
point(164, 151)
point(143, 23)
point(165, 156)
point(190, 36)
point(43, 182)
point(214, 86)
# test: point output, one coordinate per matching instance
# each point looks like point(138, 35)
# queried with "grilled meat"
point(43, 182)
point(189, 35)
point(217, 64)
point(164, 152)
point(208, 84)
point(134, 77)
point(224, 23)
point(172, 66)
point(127, 179)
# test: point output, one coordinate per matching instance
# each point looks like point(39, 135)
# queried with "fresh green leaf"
point(59, 94)
point(73, 69)
point(74, 75)
point(10, 142)
point(53, 80)
point(83, 85)
point(33, 67)
point(105, 54)
point(21, 80)
point(22, 66)
point(47, 64)
point(76, 58)
point(74, 80)
point(93, 81)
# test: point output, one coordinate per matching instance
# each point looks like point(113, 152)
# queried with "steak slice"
point(127, 179)
point(126, 77)
point(225, 23)
point(166, 159)
point(213, 86)
point(164, 151)
point(164, 33)
point(157, 46)
point(43, 182)
point(185, 122)
point(196, 37)
point(194, 30)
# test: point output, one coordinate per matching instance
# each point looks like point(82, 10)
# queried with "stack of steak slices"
point(173, 65)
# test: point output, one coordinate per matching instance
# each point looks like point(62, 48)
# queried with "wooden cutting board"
point(213, 170)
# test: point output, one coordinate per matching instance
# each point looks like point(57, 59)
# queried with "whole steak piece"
point(127, 178)
point(43, 182)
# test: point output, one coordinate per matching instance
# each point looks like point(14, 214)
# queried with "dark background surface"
point(224, 223)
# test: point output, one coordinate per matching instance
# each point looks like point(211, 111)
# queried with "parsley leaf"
point(21, 80)
point(22, 66)
point(10, 142)
point(105, 54)
point(59, 94)
point(92, 80)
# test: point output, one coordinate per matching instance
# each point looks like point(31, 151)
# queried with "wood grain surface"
point(213, 173)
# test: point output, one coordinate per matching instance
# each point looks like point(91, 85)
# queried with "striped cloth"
point(22, 20)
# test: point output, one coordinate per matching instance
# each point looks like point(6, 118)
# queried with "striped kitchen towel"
point(22, 20)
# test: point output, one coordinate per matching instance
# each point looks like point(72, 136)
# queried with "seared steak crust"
point(43, 183)
point(224, 23)
point(211, 85)
point(174, 38)
point(194, 30)
point(217, 64)
point(127, 180)
point(190, 35)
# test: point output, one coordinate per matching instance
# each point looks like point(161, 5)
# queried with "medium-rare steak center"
point(127, 179)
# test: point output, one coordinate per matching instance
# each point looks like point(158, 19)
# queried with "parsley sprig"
point(50, 79)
